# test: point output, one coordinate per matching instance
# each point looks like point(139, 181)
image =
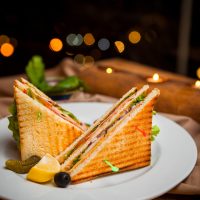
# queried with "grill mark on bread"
point(40, 137)
point(87, 157)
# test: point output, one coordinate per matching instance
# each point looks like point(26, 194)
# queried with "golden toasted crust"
point(24, 84)
point(113, 113)
point(41, 131)
point(125, 169)
point(129, 148)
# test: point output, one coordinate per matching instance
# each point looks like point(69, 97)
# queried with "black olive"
point(62, 179)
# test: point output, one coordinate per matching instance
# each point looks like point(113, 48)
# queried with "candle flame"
point(156, 77)
point(197, 84)
point(109, 70)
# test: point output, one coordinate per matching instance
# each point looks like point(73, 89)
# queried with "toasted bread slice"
point(41, 130)
point(36, 94)
point(112, 113)
point(23, 83)
point(126, 145)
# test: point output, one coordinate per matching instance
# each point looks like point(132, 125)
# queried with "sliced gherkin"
point(22, 167)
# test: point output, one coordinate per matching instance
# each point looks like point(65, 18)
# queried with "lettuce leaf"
point(35, 70)
point(138, 99)
point(154, 132)
point(66, 112)
point(13, 123)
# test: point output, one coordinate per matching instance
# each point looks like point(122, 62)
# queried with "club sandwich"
point(118, 141)
point(43, 125)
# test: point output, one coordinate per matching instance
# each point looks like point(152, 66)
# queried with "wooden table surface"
point(177, 95)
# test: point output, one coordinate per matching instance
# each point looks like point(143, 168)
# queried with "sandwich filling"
point(45, 101)
point(82, 159)
point(129, 103)
point(108, 124)
point(82, 139)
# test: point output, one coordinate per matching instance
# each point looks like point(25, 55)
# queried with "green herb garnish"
point(66, 112)
point(29, 92)
point(68, 153)
point(13, 123)
point(154, 132)
point(69, 84)
point(39, 115)
point(87, 124)
point(35, 72)
point(138, 99)
point(76, 160)
point(113, 168)
point(154, 112)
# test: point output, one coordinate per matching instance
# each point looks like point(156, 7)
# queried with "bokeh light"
point(198, 72)
point(89, 39)
point(70, 38)
point(156, 77)
point(134, 37)
point(4, 39)
point(55, 44)
point(104, 44)
point(119, 46)
point(74, 40)
point(109, 70)
point(7, 49)
point(78, 40)
point(80, 59)
point(197, 84)
point(89, 60)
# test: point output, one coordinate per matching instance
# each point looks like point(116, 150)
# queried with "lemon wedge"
point(44, 170)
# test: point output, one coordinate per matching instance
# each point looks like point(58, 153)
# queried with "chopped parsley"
point(69, 153)
point(66, 112)
point(29, 92)
point(39, 115)
point(154, 112)
point(78, 158)
point(154, 132)
point(138, 99)
point(87, 124)
point(113, 168)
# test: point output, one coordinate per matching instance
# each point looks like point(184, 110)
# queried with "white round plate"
point(174, 155)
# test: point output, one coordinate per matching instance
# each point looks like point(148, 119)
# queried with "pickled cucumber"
point(22, 167)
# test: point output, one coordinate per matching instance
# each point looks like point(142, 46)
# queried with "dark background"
point(34, 23)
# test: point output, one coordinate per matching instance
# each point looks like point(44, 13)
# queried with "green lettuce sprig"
point(35, 71)
point(154, 132)
point(13, 123)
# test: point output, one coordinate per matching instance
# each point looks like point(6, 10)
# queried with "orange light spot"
point(89, 39)
point(134, 37)
point(55, 44)
point(120, 46)
point(7, 49)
